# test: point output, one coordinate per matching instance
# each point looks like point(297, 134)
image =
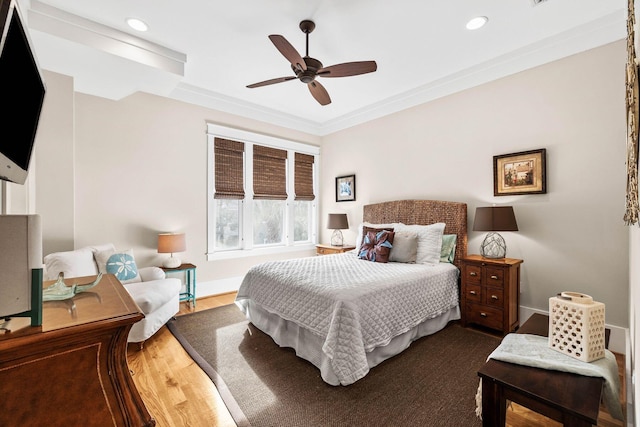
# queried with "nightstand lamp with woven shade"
point(337, 222)
point(170, 243)
point(494, 219)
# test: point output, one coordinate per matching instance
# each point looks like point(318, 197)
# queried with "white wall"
point(571, 238)
point(122, 171)
point(55, 165)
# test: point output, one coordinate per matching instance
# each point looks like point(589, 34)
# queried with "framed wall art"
point(346, 188)
point(520, 173)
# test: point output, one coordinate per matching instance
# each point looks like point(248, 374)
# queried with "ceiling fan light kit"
point(307, 69)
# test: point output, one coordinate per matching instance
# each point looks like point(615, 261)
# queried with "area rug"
point(432, 383)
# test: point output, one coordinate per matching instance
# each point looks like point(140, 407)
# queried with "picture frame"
point(520, 173)
point(346, 188)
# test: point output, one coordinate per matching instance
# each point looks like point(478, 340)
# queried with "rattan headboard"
point(453, 214)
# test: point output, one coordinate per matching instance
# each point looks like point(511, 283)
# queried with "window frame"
point(246, 246)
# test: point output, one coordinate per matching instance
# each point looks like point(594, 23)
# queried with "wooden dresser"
point(73, 370)
point(490, 292)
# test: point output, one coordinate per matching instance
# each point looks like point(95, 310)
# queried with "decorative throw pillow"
point(376, 246)
point(361, 231)
point(448, 251)
point(119, 263)
point(375, 229)
point(405, 247)
point(429, 241)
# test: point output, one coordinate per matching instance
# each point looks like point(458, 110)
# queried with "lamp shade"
point(495, 218)
point(337, 222)
point(169, 243)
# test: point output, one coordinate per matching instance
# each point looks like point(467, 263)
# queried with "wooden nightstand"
point(490, 292)
point(328, 249)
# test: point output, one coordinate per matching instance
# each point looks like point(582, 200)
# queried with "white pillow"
point(76, 263)
point(368, 224)
point(429, 241)
point(119, 263)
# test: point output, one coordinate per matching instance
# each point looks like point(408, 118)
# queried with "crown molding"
point(605, 30)
point(56, 22)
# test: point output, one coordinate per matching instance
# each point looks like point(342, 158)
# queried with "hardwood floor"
point(178, 393)
point(174, 388)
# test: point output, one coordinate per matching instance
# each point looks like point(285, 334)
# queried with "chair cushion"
point(76, 263)
point(152, 295)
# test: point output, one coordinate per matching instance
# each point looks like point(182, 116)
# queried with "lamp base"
point(493, 246)
point(172, 262)
point(336, 238)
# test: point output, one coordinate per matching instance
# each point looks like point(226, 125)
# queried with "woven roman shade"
point(269, 173)
point(304, 177)
point(229, 164)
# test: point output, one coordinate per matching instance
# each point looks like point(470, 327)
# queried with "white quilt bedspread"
point(353, 304)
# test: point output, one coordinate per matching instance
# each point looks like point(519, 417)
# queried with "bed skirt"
point(308, 345)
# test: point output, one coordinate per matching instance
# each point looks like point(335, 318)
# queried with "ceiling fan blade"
point(271, 81)
point(348, 69)
point(319, 93)
point(288, 51)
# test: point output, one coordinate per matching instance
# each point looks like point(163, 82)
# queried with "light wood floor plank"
point(178, 393)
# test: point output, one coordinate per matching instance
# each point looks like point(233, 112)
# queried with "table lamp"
point(493, 219)
point(337, 222)
point(170, 243)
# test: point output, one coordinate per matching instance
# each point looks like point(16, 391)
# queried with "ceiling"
point(207, 51)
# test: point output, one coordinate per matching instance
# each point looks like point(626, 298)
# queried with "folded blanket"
point(533, 350)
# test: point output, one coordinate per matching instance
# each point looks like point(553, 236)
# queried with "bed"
point(346, 315)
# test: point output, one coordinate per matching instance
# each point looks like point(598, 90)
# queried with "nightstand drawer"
point(328, 249)
point(473, 293)
point(325, 251)
point(494, 297)
point(473, 274)
point(494, 277)
point(485, 316)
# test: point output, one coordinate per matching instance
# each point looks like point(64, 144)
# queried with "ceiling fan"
point(307, 69)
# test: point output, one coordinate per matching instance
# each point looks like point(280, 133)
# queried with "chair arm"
point(148, 274)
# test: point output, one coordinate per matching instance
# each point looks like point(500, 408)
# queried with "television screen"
point(23, 96)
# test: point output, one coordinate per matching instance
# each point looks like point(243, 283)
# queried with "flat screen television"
point(23, 95)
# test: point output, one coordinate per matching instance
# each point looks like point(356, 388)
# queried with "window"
point(261, 193)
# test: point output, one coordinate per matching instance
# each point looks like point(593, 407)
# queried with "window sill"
point(215, 256)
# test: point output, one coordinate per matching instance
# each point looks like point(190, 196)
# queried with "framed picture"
point(346, 188)
point(520, 173)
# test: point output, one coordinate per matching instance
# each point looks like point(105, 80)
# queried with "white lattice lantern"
point(576, 326)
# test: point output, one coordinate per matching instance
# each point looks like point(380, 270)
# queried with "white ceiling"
point(207, 51)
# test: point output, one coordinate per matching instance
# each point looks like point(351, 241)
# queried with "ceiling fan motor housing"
point(308, 75)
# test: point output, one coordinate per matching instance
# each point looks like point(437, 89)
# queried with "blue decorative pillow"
point(376, 246)
point(119, 263)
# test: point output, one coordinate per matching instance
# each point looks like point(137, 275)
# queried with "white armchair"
point(157, 296)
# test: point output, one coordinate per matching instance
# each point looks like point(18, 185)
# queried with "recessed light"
point(137, 24)
point(477, 22)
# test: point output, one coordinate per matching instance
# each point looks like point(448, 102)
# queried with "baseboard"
point(217, 287)
point(617, 339)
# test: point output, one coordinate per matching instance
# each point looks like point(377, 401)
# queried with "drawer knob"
point(473, 292)
point(494, 296)
point(494, 277)
point(483, 314)
point(473, 273)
